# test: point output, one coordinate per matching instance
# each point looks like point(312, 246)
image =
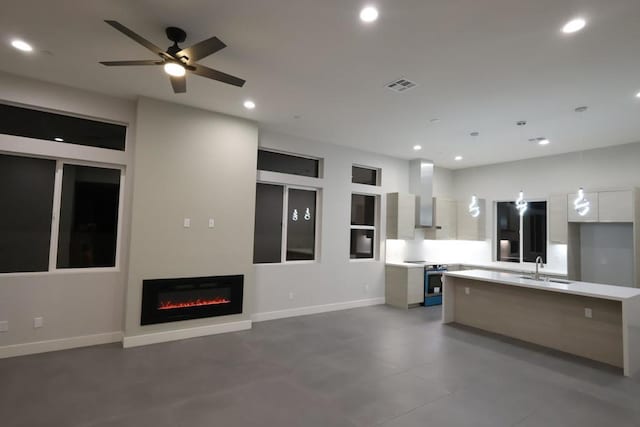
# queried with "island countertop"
point(595, 290)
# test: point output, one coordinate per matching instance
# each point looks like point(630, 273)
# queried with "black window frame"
point(296, 167)
point(365, 227)
point(377, 180)
point(511, 228)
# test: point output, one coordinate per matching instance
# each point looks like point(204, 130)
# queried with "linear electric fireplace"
point(171, 300)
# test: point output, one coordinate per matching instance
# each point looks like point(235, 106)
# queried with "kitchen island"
point(598, 322)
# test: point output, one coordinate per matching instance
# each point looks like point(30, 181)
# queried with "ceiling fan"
point(178, 61)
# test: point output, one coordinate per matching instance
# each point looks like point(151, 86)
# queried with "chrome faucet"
point(541, 264)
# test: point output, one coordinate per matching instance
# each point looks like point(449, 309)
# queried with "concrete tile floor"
point(361, 367)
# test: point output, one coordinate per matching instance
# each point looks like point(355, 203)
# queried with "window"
point(363, 226)
point(83, 225)
point(363, 175)
point(287, 163)
point(88, 217)
point(521, 238)
point(26, 192)
point(59, 128)
point(295, 232)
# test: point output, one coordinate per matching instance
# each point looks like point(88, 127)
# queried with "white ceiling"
point(480, 66)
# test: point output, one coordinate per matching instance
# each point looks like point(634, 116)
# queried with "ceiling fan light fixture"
point(173, 69)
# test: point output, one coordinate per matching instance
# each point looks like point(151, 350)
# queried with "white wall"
point(79, 307)
point(196, 164)
point(334, 279)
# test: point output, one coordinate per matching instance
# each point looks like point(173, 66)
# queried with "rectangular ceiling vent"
point(401, 85)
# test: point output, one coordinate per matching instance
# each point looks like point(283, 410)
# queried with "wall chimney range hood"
point(421, 185)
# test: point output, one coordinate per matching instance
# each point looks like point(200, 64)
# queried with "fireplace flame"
point(170, 305)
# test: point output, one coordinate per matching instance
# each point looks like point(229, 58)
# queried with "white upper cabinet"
point(615, 206)
point(470, 228)
point(401, 208)
point(591, 216)
point(558, 226)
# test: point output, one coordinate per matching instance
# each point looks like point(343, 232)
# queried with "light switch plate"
point(187, 222)
point(211, 222)
point(467, 291)
point(4, 326)
point(588, 313)
point(38, 322)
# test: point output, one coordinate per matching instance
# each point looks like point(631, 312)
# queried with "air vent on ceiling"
point(401, 85)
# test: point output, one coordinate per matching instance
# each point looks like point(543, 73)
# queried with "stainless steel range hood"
point(421, 184)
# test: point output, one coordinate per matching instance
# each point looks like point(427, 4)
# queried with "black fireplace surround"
point(172, 300)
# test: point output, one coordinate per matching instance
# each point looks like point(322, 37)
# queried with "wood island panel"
point(541, 317)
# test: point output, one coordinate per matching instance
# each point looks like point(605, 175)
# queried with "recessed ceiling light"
point(173, 69)
point(249, 104)
point(475, 134)
point(543, 141)
point(581, 109)
point(434, 120)
point(638, 95)
point(417, 147)
point(458, 158)
point(58, 139)
point(21, 45)
point(369, 14)
point(574, 26)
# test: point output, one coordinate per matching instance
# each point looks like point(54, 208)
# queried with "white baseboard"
point(59, 344)
point(315, 309)
point(180, 334)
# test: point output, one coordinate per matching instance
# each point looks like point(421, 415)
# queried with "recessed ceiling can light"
point(475, 134)
point(21, 45)
point(58, 139)
point(434, 120)
point(458, 158)
point(581, 109)
point(417, 147)
point(543, 141)
point(638, 95)
point(249, 104)
point(521, 123)
point(173, 69)
point(574, 26)
point(369, 14)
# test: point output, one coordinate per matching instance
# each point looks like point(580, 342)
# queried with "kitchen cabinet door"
point(468, 227)
point(591, 216)
point(615, 206)
point(558, 219)
point(401, 208)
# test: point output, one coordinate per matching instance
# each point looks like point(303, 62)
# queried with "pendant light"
point(474, 209)
point(581, 204)
point(521, 204)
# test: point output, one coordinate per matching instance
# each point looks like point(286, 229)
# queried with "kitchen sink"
point(564, 282)
point(541, 279)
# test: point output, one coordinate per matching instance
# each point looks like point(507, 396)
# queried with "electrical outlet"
point(467, 290)
point(291, 295)
point(187, 223)
point(211, 223)
point(366, 288)
point(4, 326)
point(38, 322)
point(588, 313)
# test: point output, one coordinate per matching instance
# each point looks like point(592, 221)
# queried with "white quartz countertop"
point(518, 268)
point(595, 290)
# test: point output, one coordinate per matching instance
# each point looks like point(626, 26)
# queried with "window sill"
point(62, 271)
point(356, 260)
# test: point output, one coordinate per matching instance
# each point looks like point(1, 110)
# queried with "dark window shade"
point(286, 163)
point(362, 243)
point(363, 210)
point(26, 194)
point(508, 237)
point(267, 241)
point(37, 124)
point(534, 232)
point(88, 217)
point(366, 176)
point(301, 225)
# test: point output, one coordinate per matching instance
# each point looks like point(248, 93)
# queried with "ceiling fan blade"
point(135, 62)
point(217, 75)
point(179, 84)
point(144, 42)
point(202, 49)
